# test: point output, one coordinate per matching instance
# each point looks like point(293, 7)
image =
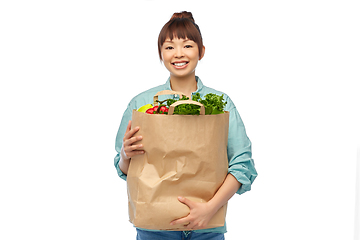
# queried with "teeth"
point(180, 64)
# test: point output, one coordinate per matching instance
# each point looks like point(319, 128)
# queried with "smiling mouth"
point(180, 64)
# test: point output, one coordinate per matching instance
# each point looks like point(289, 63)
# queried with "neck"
point(186, 85)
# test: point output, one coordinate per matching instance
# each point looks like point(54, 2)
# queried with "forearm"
point(225, 192)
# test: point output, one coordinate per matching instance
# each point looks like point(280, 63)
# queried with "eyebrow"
point(186, 40)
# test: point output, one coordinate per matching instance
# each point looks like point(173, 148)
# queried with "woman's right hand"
point(130, 148)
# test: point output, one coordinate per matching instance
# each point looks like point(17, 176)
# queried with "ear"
point(203, 52)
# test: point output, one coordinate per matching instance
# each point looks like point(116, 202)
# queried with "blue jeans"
point(177, 235)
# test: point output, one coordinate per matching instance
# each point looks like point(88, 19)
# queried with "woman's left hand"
point(199, 216)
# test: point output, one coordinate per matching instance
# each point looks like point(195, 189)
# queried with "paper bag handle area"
point(172, 106)
point(166, 92)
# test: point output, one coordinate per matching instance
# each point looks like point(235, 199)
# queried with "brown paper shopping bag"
point(185, 155)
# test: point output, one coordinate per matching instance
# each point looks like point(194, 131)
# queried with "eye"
point(188, 46)
point(169, 48)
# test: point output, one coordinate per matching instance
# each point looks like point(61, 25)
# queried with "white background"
point(69, 68)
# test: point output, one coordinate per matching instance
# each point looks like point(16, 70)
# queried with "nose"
point(179, 53)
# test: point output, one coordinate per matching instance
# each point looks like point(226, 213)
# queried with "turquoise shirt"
point(241, 165)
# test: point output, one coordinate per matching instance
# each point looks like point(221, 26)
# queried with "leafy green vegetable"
point(171, 101)
point(187, 109)
point(214, 104)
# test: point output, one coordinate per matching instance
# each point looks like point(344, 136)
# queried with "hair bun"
point(183, 14)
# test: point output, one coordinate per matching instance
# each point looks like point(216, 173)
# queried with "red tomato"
point(162, 109)
point(155, 108)
point(150, 111)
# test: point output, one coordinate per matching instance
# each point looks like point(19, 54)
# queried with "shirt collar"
point(198, 81)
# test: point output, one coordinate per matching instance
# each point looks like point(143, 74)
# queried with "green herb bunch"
point(214, 104)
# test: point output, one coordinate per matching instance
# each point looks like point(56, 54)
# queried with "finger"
point(193, 227)
point(189, 226)
point(196, 225)
point(128, 128)
point(136, 152)
point(132, 140)
point(130, 133)
point(132, 148)
point(129, 148)
point(186, 201)
point(181, 221)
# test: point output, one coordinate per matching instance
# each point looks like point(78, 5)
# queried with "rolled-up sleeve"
point(119, 139)
point(241, 165)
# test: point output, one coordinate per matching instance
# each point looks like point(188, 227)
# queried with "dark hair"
point(181, 25)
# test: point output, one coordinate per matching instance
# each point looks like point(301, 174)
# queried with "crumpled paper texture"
point(185, 155)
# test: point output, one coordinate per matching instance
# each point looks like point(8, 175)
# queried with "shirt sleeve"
point(241, 165)
point(119, 138)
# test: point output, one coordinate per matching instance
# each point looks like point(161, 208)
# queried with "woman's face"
point(180, 56)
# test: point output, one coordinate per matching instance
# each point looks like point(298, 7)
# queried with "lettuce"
point(214, 104)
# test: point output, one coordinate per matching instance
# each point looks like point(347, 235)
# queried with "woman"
point(180, 48)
